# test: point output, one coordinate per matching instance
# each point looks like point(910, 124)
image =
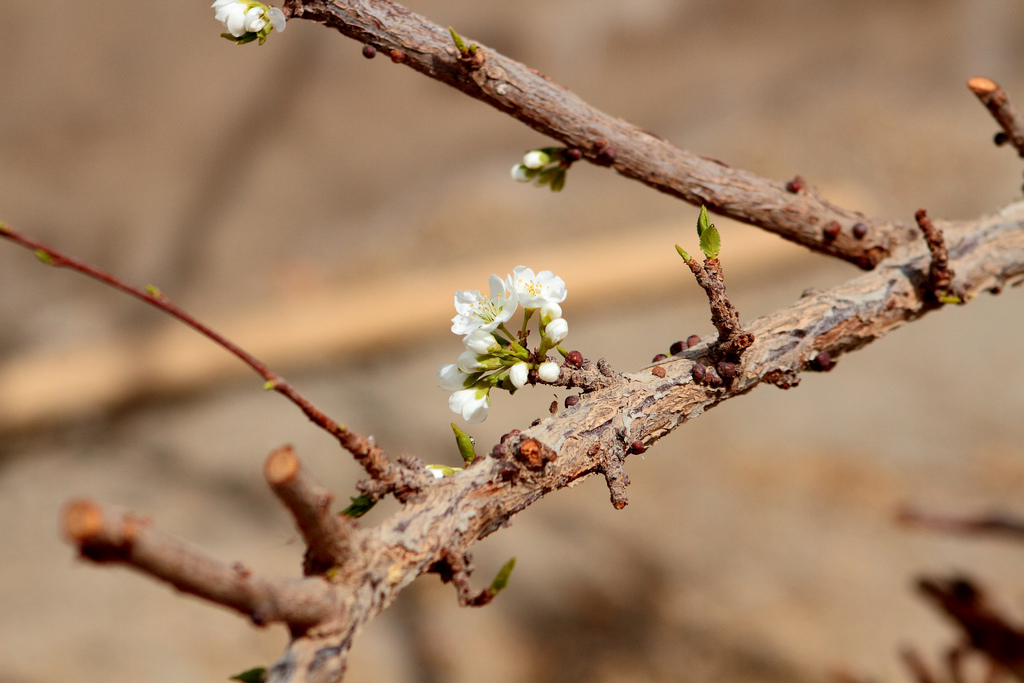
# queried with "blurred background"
point(320, 209)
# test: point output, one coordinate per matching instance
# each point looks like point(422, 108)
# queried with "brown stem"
point(366, 452)
point(999, 105)
point(732, 339)
point(552, 110)
point(327, 535)
point(994, 524)
point(106, 535)
point(940, 277)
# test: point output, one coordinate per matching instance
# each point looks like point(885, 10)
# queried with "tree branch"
point(798, 214)
point(107, 535)
point(998, 103)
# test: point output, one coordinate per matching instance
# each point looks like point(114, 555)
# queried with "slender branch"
point(106, 535)
point(994, 524)
point(366, 452)
point(999, 105)
point(799, 214)
point(987, 631)
point(327, 535)
point(732, 339)
point(940, 277)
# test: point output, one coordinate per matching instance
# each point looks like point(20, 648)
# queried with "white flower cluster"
point(546, 166)
point(494, 356)
point(246, 20)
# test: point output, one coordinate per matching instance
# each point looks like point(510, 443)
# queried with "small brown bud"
point(506, 437)
point(699, 372)
point(534, 454)
point(677, 347)
point(727, 370)
point(572, 400)
point(369, 51)
point(573, 154)
point(601, 142)
point(1001, 138)
point(574, 358)
point(832, 230)
point(823, 362)
point(713, 378)
point(660, 357)
point(860, 230)
point(397, 56)
point(795, 185)
point(553, 408)
point(609, 154)
point(637, 447)
point(692, 341)
point(658, 371)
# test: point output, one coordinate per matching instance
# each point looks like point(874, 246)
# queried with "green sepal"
point(256, 675)
point(465, 443)
point(558, 180)
point(154, 291)
point(44, 256)
point(270, 385)
point(682, 252)
point(710, 242)
point(501, 580)
point(562, 351)
point(241, 40)
point(359, 506)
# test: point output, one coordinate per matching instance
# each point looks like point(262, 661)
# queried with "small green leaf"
point(269, 385)
point(703, 222)
point(558, 180)
point(465, 444)
point(360, 506)
point(562, 351)
point(44, 256)
point(257, 675)
point(710, 242)
point(460, 44)
point(153, 291)
point(501, 580)
point(682, 252)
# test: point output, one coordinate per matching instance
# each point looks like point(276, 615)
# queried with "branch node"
point(940, 276)
point(732, 339)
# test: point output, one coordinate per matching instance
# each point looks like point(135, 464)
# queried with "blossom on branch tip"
point(248, 20)
point(536, 290)
point(548, 372)
point(472, 403)
point(480, 342)
point(475, 311)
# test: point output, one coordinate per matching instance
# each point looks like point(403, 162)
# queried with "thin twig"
point(998, 103)
point(940, 276)
point(371, 456)
point(991, 524)
point(550, 109)
point(107, 535)
point(732, 338)
point(327, 535)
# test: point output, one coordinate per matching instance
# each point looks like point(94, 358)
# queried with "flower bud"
point(478, 341)
point(536, 159)
point(451, 378)
point(556, 330)
point(519, 174)
point(550, 311)
point(469, 362)
point(518, 375)
point(548, 372)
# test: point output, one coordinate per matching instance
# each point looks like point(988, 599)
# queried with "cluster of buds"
point(247, 20)
point(495, 356)
point(545, 166)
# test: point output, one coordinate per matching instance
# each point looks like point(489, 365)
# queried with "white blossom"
point(470, 362)
point(451, 378)
point(472, 403)
point(536, 290)
point(478, 341)
point(550, 311)
point(556, 330)
point(518, 374)
point(536, 159)
point(519, 174)
point(231, 13)
point(241, 17)
point(548, 371)
point(478, 312)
